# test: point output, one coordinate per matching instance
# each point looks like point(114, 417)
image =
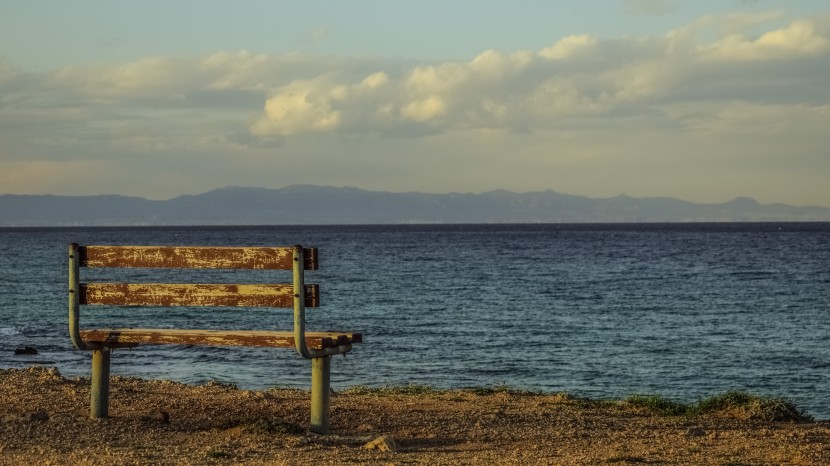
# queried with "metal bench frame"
point(327, 343)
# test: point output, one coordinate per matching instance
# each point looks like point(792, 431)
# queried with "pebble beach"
point(44, 421)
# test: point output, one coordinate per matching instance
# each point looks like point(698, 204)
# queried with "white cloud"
point(579, 76)
point(706, 29)
point(426, 80)
point(425, 109)
point(302, 106)
point(158, 76)
point(233, 71)
point(569, 46)
point(375, 80)
point(641, 81)
point(799, 38)
point(492, 65)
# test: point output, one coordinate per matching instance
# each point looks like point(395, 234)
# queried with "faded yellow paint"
point(179, 294)
point(274, 258)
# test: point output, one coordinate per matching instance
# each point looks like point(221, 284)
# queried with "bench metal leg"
point(100, 390)
point(320, 388)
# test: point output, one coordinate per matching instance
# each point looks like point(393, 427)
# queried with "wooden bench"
point(317, 346)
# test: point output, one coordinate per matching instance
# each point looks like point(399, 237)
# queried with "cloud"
point(425, 109)
point(302, 106)
point(718, 77)
point(752, 55)
point(148, 76)
point(375, 81)
point(798, 39)
point(569, 47)
point(578, 76)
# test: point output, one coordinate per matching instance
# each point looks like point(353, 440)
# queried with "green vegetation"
point(411, 389)
point(753, 407)
point(658, 404)
point(501, 388)
point(217, 454)
point(225, 385)
point(736, 404)
point(417, 389)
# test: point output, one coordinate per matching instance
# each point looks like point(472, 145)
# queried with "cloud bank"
point(730, 75)
point(577, 77)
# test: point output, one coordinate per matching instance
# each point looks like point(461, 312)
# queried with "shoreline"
point(44, 418)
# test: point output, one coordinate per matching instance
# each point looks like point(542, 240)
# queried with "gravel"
point(43, 420)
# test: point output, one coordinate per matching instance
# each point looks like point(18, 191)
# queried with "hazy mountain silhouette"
point(306, 204)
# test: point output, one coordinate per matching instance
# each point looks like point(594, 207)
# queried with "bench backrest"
point(294, 258)
point(173, 294)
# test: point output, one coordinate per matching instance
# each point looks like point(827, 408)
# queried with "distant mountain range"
point(306, 204)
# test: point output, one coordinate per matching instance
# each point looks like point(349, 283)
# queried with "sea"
point(685, 310)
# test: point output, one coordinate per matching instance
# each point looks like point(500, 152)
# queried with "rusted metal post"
point(320, 387)
point(74, 295)
point(100, 389)
point(299, 301)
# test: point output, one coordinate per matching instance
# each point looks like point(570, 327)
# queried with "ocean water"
point(682, 310)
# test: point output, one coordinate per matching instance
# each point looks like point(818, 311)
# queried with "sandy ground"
point(43, 421)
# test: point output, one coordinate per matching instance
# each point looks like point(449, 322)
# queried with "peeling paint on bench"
point(175, 294)
point(194, 257)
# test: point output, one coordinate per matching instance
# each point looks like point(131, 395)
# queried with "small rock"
point(161, 416)
point(39, 416)
point(26, 350)
point(53, 371)
point(224, 385)
point(383, 443)
point(695, 432)
point(34, 416)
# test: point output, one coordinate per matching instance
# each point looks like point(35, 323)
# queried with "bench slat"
point(279, 258)
point(218, 337)
point(172, 294)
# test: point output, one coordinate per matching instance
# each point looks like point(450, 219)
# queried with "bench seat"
point(277, 339)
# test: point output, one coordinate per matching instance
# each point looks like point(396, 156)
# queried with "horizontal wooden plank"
point(276, 258)
point(314, 340)
point(174, 294)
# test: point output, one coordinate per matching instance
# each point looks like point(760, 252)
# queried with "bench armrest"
point(299, 314)
point(74, 300)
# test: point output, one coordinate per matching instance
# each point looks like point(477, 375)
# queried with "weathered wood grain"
point(279, 258)
point(316, 340)
point(176, 294)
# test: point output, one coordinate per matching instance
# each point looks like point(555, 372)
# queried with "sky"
point(703, 100)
